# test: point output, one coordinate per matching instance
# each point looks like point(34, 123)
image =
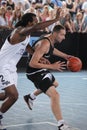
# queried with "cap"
point(3, 2)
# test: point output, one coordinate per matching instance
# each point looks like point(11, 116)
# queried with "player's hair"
point(58, 27)
point(28, 17)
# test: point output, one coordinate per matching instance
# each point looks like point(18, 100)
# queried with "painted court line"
point(27, 124)
point(85, 78)
point(65, 103)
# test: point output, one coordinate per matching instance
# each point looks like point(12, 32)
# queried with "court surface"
point(73, 97)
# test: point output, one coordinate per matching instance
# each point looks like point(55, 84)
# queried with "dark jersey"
point(47, 55)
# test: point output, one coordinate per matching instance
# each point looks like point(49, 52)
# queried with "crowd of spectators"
point(73, 16)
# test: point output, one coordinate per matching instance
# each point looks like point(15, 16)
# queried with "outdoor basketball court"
point(73, 94)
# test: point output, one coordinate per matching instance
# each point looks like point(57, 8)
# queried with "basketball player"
point(10, 54)
point(42, 78)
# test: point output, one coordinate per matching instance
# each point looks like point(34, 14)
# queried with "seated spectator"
point(17, 14)
point(84, 8)
point(45, 13)
point(84, 24)
point(78, 22)
point(68, 23)
point(9, 15)
point(51, 16)
point(4, 3)
point(11, 3)
point(32, 8)
point(72, 7)
point(3, 22)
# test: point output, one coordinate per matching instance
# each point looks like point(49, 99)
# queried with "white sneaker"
point(29, 101)
point(66, 127)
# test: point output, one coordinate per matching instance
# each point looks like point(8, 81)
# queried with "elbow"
point(31, 64)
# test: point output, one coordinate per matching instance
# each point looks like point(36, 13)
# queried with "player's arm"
point(39, 52)
point(30, 50)
point(61, 54)
point(26, 31)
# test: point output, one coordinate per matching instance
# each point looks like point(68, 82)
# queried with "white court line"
point(27, 124)
point(67, 103)
point(84, 78)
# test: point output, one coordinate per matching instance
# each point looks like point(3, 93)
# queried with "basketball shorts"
point(7, 78)
point(42, 80)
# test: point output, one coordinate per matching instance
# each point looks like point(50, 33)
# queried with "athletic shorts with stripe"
point(7, 78)
point(42, 80)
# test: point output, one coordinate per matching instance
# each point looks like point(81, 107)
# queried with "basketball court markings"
point(65, 105)
point(27, 124)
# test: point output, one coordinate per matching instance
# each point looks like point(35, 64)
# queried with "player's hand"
point(68, 56)
point(60, 66)
point(44, 61)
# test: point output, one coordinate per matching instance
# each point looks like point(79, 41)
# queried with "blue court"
point(73, 97)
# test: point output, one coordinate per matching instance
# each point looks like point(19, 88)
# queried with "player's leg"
point(56, 109)
point(55, 102)
point(8, 82)
point(2, 96)
point(12, 96)
point(30, 98)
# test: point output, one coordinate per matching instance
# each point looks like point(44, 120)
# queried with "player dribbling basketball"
point(42, 78)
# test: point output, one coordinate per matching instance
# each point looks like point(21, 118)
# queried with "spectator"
point(17, 14)
point(9, 15)
point(69, 24)
point(3, 3)
point(84, 7)
point(45, 13)
point(3, 22)
point(72, 7)
point(32, 8)
point(78, 22)
point(11, 3)
point(57, 3)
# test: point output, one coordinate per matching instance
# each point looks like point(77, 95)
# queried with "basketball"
point(74, 64)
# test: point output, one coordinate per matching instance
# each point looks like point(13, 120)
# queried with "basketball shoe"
point(29, 101)
point(66, 127)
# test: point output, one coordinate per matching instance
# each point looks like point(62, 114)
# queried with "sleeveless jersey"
point(47, 56)
point(11, 54)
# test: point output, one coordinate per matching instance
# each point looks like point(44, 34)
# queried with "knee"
point(13, 96)
point(55, 96)
point(56, 84)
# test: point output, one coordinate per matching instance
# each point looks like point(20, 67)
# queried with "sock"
point(33, 96)
point(60, 122)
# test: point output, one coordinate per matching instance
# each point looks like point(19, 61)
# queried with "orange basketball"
point(74, 64)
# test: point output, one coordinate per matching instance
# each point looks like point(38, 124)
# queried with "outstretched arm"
point(41, 25)
point(61, 54)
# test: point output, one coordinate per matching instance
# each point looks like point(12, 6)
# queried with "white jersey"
point(11, 54)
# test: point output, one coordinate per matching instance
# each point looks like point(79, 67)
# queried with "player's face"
point(35, 20)
point(61, 35)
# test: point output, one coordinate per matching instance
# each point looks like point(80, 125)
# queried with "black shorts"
point(42, 80)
